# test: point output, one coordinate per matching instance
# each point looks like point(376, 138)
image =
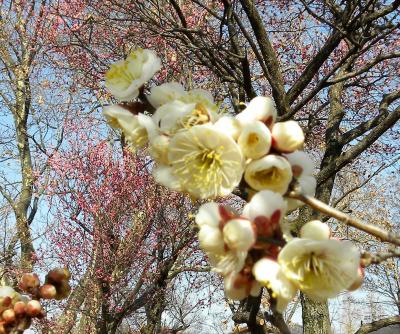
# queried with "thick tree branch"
point(274, 77)
point(375, 325)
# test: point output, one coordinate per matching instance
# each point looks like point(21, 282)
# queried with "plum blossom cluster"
point(249, 252)
point(207, 154)
point(17, 309)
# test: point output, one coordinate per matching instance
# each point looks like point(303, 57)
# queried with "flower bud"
point(237, 286)
point(264, 203)
point(301, 163)
point(47, 291)
point(29, 281)
point(260, 108)
point(58, 275)
point(255, 140)
point(211, 239)
point(5, 301)
point(271, 172)
point(20, 308)
point(239, 234)
point(287, 136)
point(209, 214)
point(33, 308)
point(8, 316)
point(315, 230)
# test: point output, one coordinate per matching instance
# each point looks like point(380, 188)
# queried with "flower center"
point(267, 176)
point(198, 116)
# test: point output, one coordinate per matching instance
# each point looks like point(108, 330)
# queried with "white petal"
point(208, 215)
point(164, 176)
point(270, 274)
point(165, 93)
point(301, 163)
point(264, 203)
point(259, 109)
point(287, 136)
point(228, 125)
point(211, 240)
point(255, 140)
point(315, 230)
point(271, 172)
point(239, 235)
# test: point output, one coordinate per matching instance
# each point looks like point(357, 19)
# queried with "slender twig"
point(368, 228)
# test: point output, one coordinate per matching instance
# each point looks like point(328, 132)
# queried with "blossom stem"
point(367, 228)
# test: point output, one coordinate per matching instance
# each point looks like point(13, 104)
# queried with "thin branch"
point(353, 222)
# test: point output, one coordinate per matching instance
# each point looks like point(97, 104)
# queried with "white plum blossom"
point(158, 148)
point(125, 77)
point(271, 172)
point(136, 128)
point(167, 92)
point(238, 286)
point(229, 125)
point(320, 268)
point(287, 136)
point(175, 116)
point(255, 140)
point(205, 162)
point(315, 230)
point(224, 238)
point(260, 108)
point(268, 273)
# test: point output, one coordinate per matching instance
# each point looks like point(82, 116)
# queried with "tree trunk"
point(315, 317)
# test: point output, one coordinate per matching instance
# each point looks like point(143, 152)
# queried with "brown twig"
point(367, 228)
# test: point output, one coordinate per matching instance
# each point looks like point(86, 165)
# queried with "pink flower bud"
point(47, 291)
point(8, 316)
point(33, 308)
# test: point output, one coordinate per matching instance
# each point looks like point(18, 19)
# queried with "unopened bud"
point(5, 301)
point(315, 230)
point(19, 308)
point(8, 316)
point(239, 234)
point(33, 308)
point(29, 281)
point(47, 291)
point(57, 275)
point(287, 136)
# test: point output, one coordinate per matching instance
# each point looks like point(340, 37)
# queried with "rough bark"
point(375, 325)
